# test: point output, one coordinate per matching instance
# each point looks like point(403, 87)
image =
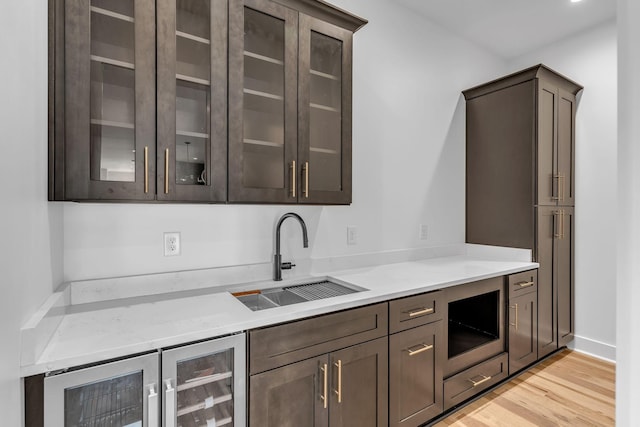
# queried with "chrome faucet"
point(278, 265)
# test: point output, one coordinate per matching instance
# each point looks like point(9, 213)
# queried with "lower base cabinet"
point(415, 375)
point(345, 388)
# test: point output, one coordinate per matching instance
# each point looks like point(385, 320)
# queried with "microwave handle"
point(152, 407)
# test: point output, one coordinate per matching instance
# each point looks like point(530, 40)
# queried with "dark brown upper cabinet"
point(192, 93)
point(102, 102)
point(290, 102)
point(200, 101)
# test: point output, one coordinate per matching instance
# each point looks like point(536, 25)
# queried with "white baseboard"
point(594, 348)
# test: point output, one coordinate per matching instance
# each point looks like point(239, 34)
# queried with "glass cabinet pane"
point(263, 116)
point(112, 91)
point(193, 88)
point(325, 117)
point(115, 401)
point(205, 390)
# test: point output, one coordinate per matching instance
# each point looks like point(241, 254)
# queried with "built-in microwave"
point(474, 327)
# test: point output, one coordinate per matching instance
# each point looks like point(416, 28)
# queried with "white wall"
point(31, 228)
point(628, 214)
point(590, 59)
point(408, 168)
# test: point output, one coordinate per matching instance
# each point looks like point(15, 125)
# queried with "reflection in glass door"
point(114, 401)
point(263, 142)
point(204, 384)
point(122, 393)
point(325, 114)
point(193, 81)
point(112, 90)
point(192, 96)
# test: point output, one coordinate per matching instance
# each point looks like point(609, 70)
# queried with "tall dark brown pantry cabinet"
point(520, 183)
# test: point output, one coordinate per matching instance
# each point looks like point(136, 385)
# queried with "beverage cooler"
point(201, 384)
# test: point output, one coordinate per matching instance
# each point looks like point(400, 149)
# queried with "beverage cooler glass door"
point(204, 384)
point(123, 393)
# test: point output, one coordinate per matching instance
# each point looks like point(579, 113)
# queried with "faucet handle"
point(287, 266)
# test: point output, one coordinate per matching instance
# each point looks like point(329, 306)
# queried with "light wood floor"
point(569, 389)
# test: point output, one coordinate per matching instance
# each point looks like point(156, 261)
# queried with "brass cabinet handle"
point(525, 284)
point(556, 225)
point(338, 364)
point(323, 396)
point(421, 312)
point(477, 383)
point(516, 322)
point(561, 182)
point(305, 191)
point(555, 189)
point(562, 223)
point(424, 347)
point(146, 169)
point(166, 171)
point(293, 178)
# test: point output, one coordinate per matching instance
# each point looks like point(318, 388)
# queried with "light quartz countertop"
point(94, 332)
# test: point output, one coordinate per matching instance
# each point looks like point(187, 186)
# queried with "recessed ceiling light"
point(575, 1)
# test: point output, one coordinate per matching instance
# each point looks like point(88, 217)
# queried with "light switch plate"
point(352, 235)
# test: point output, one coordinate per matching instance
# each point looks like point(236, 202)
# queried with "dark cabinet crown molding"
point(539, 71)
point(326, 12)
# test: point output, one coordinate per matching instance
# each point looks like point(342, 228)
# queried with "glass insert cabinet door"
point(123, 393)
point(192, 93)
point(324, 112)
point(204, 385)
point(109, 107)
point(262, 102)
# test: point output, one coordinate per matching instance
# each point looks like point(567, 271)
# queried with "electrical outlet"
point(423, 233)
point(171, 244)
point(352, 235)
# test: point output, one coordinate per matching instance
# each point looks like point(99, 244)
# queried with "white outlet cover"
point(172, 244)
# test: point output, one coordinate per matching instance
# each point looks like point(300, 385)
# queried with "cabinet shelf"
point(212, 401)
point(192, 134)
point(263, 94)
point(197, 382)
point(263, 143)
point(111, 14)
point(120, 125)
point(111, 61)
point(323, 150)
point(263, 58)
point(324, 107)
point(188, 36)
point(324, 75)
point(190, 79)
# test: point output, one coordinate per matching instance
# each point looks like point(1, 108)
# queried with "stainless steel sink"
point(278, 297)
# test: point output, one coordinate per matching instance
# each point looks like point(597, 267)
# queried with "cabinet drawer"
point(470, 382)
point(414, 311)
point(290, 342)
point(523, 283)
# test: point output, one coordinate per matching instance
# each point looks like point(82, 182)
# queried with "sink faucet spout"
point(278, 265)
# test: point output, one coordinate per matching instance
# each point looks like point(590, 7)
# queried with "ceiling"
point(510, 28)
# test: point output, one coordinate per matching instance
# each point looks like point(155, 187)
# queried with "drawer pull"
point(483, 380)
point(524, 284)
point(421, 312)
point(324, 385)
point(424, 347)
